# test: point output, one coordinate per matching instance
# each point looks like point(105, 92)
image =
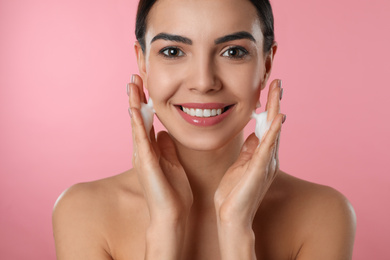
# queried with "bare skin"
point(108, 219)
point(201, 192)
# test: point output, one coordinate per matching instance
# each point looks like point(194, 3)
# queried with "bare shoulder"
point(322, 219)
point(89, 217)
point(314, 197)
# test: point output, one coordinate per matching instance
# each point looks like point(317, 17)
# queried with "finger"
point(254, 185)
point(259, 165)
point(141, 142)
point(148, 169)
point(137, 80)
point(272, 164)
point(271, 87)
point(133, 137)
point(264, 152)
point(153, 141)
point(134, 102)
point(134, 97)
point(247, 150)
point(169, 161)
point(167, 148)
point(172, 168)
point(276, 155)
point(273, 100)
point(273, 161)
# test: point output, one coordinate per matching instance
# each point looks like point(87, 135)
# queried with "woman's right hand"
point(166, 188)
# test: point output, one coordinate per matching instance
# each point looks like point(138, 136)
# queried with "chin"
point(205, 141)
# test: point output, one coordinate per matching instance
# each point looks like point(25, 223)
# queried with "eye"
point(235, 53)
point(172, 52)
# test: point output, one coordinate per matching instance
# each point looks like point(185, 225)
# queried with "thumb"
point(167, 148)
point(248, 149)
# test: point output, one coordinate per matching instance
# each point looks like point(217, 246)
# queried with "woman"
point(200, 191)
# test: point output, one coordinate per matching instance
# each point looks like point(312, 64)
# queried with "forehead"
point(199, 19)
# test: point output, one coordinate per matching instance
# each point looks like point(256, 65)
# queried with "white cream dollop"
point(262, 125)
point(147, 113)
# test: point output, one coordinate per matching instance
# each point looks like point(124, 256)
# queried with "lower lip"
point(204, 121)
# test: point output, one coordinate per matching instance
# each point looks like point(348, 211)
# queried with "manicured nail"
point(284, 119)
point(132, 79)
point(131, 116)
point(128, 88)
point(281, 94)
point(280, 83)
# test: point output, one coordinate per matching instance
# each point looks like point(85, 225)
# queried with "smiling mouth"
point(198, 112)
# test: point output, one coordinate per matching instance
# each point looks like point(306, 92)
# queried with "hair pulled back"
point(263, 7)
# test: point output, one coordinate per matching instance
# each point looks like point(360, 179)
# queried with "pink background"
point(64, 66)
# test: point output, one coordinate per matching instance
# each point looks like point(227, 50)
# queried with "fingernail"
point(128, 89)
point(131, 116)
point(280, 83)
point(132, 79)
point(281, 94)
point(284, 119)
point(258, 104)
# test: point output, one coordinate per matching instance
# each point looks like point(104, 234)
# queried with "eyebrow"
point(171, 37)
point(185, 40)
point(235, 36)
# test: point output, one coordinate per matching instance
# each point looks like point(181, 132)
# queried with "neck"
point(205, 169)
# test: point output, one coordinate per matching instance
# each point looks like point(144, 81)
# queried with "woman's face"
point(206, 56)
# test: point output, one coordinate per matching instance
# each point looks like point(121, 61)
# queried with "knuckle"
point(218, 199)
point(269, 145)
point(227, 212)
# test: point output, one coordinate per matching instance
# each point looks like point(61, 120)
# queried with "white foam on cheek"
point(147, 113)
point(262, 126)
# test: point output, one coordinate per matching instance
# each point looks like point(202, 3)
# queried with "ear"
point(269, 59)
point(140, 61)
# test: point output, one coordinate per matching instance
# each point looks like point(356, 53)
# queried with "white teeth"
point(202, 112)
point(207, 113)
point(192, 112)
point(199, 112)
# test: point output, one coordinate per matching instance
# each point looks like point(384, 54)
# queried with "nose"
point(204, 75)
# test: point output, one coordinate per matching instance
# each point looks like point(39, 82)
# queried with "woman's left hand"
point(246, 182)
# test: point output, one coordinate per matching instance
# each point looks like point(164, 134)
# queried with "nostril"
point(205, 82)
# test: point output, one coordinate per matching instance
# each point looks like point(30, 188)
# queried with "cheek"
point(244, 81)
point(160, 81)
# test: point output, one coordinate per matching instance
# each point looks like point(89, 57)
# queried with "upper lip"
point(204, 105)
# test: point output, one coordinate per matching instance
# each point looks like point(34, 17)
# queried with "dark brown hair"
point(263, 7)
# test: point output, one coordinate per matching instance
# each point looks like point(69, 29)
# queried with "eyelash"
point(167, 55)
point(242, 52)
point(241, 55)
